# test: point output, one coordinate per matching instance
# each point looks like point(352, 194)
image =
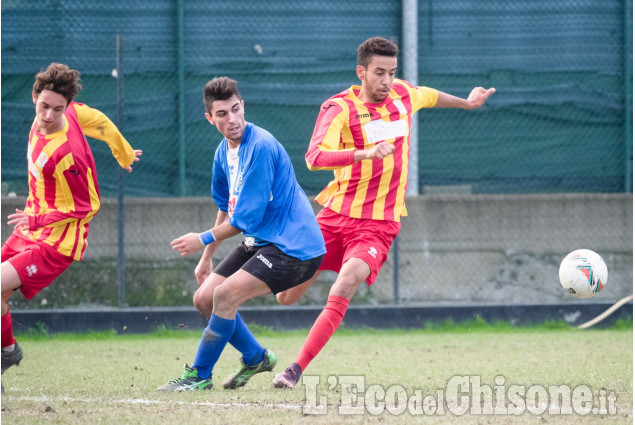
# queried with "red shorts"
point(346, 237)
point(38, 265)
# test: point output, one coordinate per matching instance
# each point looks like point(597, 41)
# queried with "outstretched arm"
point(476, 99)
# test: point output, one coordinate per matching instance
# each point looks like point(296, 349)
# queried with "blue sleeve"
point(257, 183)
point(220, 187)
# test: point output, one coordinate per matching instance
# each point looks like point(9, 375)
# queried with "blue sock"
point(215, 337)
point(246, 343)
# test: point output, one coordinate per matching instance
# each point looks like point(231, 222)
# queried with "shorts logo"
point(373, 252)
point(31, 270)
point(264, 260)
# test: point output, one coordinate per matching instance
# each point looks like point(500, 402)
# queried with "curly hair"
point(376, 46)
point(60, 79)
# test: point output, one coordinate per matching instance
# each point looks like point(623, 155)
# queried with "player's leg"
point(351, 276)
point(368, 243)
point(292, 295)
point(11, 351)
point(204, 296)
point(192, 378)
point(242, 340)
point(289, 272)
point(10, 282)
point(238, 288)
point(30, 268)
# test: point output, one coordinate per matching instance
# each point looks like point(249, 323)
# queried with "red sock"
point(7, 330)
point(324, 327)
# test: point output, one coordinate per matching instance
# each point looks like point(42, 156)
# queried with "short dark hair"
point(376, 46)
point(60, 79)
point(220, 88)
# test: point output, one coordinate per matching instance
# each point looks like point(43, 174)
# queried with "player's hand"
point(203, 270)
point(19, 220)
point(381, 150)
point(187, 244)
point(478, 96)
point(137, 154)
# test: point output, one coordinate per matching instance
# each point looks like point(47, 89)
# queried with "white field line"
point(280, 406)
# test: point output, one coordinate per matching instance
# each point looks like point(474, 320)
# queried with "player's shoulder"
point(260, 139)
point(260, 135)
point(402, 86)
point(335, 103)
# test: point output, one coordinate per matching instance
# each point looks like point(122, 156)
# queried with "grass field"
point(108, 378)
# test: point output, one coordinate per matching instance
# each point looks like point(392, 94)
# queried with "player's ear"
point(209, 118)
point(34, 97)
point(361, 72)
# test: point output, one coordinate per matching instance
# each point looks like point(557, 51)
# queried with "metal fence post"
point(395, 270)
point(121, 263)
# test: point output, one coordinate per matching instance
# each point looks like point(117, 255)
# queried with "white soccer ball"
point(583, 273)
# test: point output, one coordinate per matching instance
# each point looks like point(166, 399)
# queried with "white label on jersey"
point(235, 179)
point(400, 107)
point(36, 168)
point(379, 130)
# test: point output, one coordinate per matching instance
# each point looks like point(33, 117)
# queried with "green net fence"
point(560, 122)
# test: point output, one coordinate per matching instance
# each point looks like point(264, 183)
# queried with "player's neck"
point(233, 144)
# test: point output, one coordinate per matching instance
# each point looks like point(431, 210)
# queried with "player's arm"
point(325, 151)
point(211, 238)
point(476, 99)
point(193, 242)
point(205, 264)
point(97, 125)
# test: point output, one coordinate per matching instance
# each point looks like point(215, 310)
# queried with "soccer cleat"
point(289, 378)
point(244, 373)
point(10, 358)
point(188, 381)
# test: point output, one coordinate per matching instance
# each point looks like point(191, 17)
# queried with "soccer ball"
point(583, 273)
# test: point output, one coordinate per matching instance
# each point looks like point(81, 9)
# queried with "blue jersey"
point(262, 196)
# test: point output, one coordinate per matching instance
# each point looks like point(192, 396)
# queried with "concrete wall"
point(453, 248)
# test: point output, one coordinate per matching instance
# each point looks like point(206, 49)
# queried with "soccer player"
point(50, 233)
point(363, 134)
point(255, 188)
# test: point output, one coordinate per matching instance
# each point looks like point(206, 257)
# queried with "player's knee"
point(284, 298)
point(346, 286)
point(224, 296)
point(201, 302)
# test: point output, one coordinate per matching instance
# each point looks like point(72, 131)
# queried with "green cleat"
point(244, 373)
point(188, 381)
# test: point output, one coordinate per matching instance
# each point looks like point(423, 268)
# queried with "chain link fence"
point(507, 191)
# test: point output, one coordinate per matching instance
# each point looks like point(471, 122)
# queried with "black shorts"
point(277, 269)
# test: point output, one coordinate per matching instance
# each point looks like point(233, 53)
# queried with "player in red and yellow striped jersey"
point(63, 196)
point(363, 134)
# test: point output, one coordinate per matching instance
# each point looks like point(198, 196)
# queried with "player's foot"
point(244, 372)
point(289, 378)
point(10, 358)
point(188, 381)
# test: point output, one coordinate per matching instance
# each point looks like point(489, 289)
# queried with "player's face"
point(229, 118)
point(49, 111)
point(377, 78)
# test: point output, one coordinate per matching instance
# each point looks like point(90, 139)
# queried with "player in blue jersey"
point(255, 188)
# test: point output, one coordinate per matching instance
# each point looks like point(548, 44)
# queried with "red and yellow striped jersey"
point(63, 191)
point(369, 189)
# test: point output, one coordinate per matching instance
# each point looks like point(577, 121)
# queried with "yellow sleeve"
point(423, 97)
point(97, 125)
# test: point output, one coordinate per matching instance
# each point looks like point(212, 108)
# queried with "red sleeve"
point(325, 151)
